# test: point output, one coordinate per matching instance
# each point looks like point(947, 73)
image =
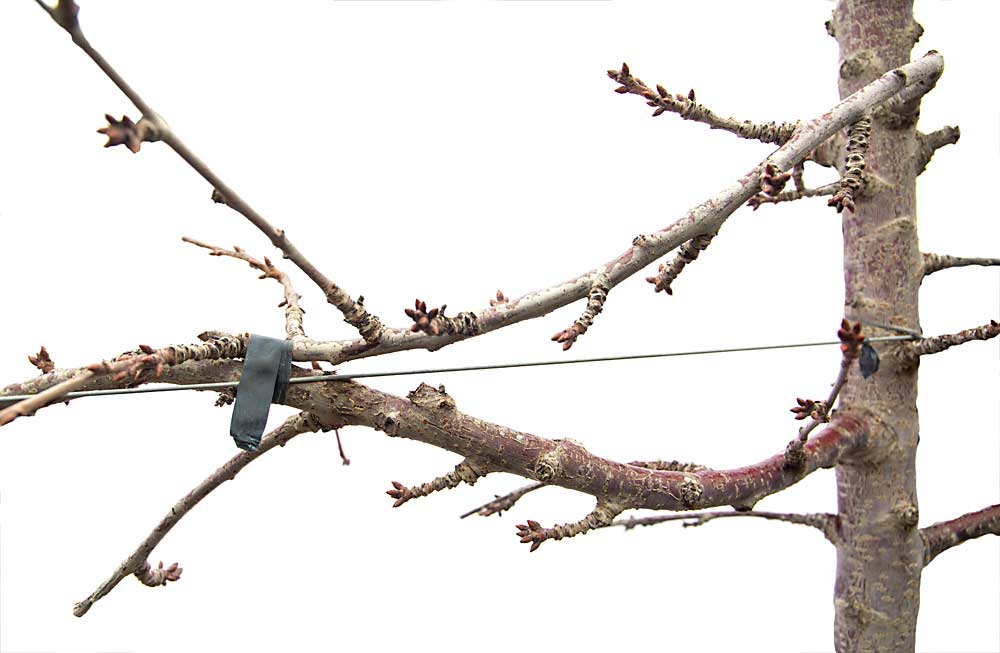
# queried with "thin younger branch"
point(792, 195)
point(824, 522)
point(293, 312)
point(688, 108)
point(602, 515)
point(851, 340)
point(137, 563)
point(501, 503)
point(942, 536)
point(936, 262)
point(924, 346)
point(151, 127)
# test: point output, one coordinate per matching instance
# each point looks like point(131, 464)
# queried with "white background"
point(443, 150)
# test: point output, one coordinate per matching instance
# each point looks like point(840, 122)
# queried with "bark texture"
point(880, 552)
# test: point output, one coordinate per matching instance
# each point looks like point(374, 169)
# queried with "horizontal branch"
point(917, 348)
point(824, 522)
point(935, 262)
point(429, 415)
point(940, 537)
point(137, 562)
point(127, 370)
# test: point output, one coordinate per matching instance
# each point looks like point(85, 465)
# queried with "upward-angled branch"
point(151, 127)
point(705, 218)
point(687, 107)
point(932, 142)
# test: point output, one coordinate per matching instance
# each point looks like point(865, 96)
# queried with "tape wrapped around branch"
point(266, 369)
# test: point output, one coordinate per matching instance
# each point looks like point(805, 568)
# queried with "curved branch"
point(940, 537)
point(429, 416)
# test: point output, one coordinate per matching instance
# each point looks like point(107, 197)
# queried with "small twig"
point(915, 349)
point(851, 340)
point(689, 109)
point(930, 143)
point(501, 503)
point(293, 312)
point(344, 460)
point(942, 536)
point(130, 366)
point(602, 515)
point(936, 262)
point(687, 253)
point(137, 564)
point(151, 127)
point(466, 471)
point(824, 522)
point(853, 181)
point(792, 195)
point(595, 304)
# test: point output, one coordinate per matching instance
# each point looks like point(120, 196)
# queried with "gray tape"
point(266, 369)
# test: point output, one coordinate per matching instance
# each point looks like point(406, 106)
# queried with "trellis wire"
point(222, 385)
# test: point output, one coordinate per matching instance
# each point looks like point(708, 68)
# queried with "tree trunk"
point(880, 554)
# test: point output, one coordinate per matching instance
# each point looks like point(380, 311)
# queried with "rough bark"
point(880, 553)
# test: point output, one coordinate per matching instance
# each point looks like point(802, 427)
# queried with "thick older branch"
point(940, 537)
point(137, 562)
point(428, 415)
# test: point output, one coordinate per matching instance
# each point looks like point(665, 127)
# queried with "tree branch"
point(689, 109)
point(293, 312)
point(936, 262)
point(122, 371)
point(501, 503)
point(940, 537)
point(930, 143)
point(914, 349)
point(137, 562)
point(151, 128)
point(792, 195)
point(705, 218)
point(824, 522)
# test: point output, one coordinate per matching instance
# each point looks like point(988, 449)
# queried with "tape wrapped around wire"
point(266, 369)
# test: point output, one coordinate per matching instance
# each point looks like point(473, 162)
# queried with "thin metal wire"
point(12, 399)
